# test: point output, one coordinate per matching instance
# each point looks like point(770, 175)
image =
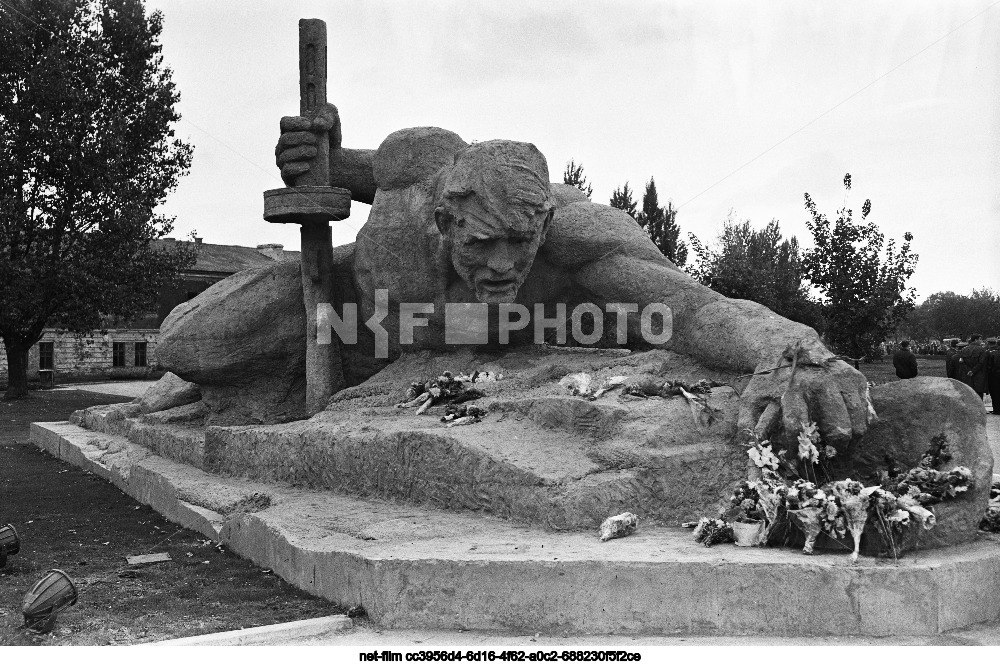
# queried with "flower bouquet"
point(713, 531)
point(854, 503)
point(746, 516)
point(444, 389)
point(464, 414)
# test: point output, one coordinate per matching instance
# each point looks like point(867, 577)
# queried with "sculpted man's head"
point(494, 209)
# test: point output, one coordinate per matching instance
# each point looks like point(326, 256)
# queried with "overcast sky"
point(741, 106)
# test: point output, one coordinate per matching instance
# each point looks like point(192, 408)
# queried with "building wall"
point(90, 357)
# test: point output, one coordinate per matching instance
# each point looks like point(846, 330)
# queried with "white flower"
point(807, 449)
point(811, 431)
point(900, 516)
point(762, 456)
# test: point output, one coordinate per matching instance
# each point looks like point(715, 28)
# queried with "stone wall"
point(90, 356)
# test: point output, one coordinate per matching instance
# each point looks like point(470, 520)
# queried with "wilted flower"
point(829, 452)
point(900, 516)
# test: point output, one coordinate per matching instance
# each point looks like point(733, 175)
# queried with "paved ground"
point(123, 388)
point(366, 638)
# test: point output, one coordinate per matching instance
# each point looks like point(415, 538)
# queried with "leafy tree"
point(864, 293)
point(661, 225)
point(758, 265)
point(948, 314)
point(622, 199)
point(573, 175)
point(86, 154)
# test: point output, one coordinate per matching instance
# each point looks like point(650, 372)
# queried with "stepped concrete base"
point(410, 567)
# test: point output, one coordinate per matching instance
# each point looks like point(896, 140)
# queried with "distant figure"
point(972, 365)
point(904, 361)
point(951, 361)
point(993, 372)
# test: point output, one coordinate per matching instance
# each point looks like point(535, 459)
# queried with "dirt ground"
point(74, 521)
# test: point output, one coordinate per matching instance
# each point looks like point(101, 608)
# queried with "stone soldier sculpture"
point(479, 228)
point(459, 223)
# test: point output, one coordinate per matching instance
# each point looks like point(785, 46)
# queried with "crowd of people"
point(927, 348)
point(976, 364)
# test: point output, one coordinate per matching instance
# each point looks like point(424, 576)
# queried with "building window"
point(118, 354)
point(46, 355)
point(140, 354)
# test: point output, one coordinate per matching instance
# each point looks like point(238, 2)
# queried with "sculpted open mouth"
point(497, 285)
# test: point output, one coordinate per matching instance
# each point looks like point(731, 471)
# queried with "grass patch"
point(72, 520)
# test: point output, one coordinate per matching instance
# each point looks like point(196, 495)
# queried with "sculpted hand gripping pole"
point(312, 204)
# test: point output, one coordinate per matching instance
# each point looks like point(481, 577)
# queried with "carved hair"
point(508, 180)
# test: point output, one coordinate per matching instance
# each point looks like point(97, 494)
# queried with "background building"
point(129, 351)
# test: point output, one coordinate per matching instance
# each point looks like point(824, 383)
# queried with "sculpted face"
point(494, 211)
point(492, 258)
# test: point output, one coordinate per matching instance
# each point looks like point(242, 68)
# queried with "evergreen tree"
point(573, 175)
point(622, 199)
point(661, 225)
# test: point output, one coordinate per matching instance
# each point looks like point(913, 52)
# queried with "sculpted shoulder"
point(582, 232)
point(412, 155)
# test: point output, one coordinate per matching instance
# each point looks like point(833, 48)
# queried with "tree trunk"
point(17, 370)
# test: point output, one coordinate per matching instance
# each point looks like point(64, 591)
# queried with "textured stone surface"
point(170, 391)
point(242, 340)
point(911, 413)
point(544, 457)
point(540, 455)
point(177, 434)
point(412, 155)
point(410, 567)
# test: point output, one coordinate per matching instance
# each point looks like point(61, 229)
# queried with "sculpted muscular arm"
point(349, 168)
point(611, 257)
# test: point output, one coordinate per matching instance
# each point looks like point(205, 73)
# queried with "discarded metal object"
point(147, 558)
point(749, 534)
point(46, 599)
point(10, 543)
point(619, 526)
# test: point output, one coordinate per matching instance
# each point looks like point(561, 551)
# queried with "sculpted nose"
point(500, 259)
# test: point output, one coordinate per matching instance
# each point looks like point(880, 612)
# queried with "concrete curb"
point(265, 635)
point(412, 567)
